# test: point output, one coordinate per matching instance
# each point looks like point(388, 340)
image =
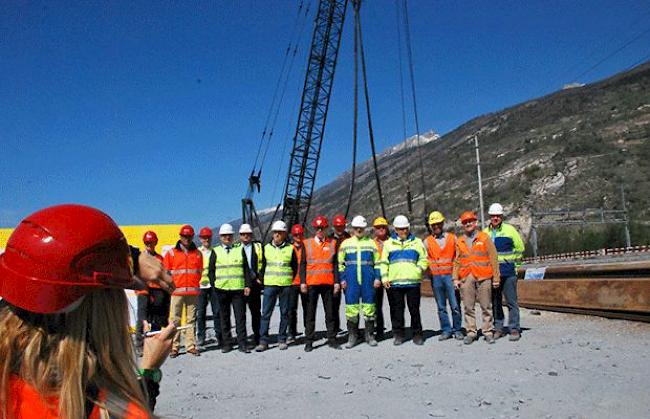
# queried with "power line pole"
point(480, 182)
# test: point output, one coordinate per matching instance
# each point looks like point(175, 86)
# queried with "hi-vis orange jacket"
point(298, 250)
point(480, 260)
point(318, 262)
point(185, 268)
point(441, 260)
point(26, 403)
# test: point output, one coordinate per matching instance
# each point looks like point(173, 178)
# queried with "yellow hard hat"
point(380, 221)
point(436, 217)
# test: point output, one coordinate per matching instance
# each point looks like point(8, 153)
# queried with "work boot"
point(194, 351)
point(332, 344)
point(283, 346)
point(444, 336)
point(499, 334)
point(418, 339)
point(226, 348)
point(370, 332)
point(291, 339)
point(515, 335)
point(244, 349)
point(353, 333)
point(380, 335)
point(469, 339)
point(309, 347)
point(398, 340)
point(458, 335)
point(261, 347)
point(489, 338)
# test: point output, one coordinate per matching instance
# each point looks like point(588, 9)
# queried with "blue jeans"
point(509, 290)
point(443, 290)
point(271, 295)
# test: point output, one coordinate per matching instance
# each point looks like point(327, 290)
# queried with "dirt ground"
point(565, 366)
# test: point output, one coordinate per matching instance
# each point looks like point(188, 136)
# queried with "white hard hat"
point(245, 228)
point(495, 209)
point(225, 229)
point(401, 222)
point(279, 226)
point(359, 221)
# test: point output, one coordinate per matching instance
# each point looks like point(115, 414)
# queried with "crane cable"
point(409, 51)
point(359, 53)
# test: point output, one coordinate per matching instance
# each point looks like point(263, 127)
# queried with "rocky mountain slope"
point(576, 147)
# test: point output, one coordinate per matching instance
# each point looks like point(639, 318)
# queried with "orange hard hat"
point(50, 262)
point(186, 230)
point(297, 230)
point(150, 237)
point(205, 232)
point(468, 216)
point(320, 221)
point(339, 220)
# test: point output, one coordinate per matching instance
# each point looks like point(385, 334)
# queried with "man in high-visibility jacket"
point(476, 272)
point(510, 249)
point(253, 254)
point(279, 266)
point(441, 251)
point(298, 234)
point(380, 226)
point(339, 235)
point(208, 293)
point(319, 277)
point(229, 272)
point(185, 264)
point(153, 301)
point(402, 263)
point(359, 275)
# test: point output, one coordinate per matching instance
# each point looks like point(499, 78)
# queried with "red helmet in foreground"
point(150, 237)
point(297, 230)
point(320, 221)
point(339, 220)
point(206, 233)
point(186, 230)
point(50, 262)
point(468, 216)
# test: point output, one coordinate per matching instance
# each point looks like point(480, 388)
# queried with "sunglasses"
point(468, 222)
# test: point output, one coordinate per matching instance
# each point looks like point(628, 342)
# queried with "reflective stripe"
point(319, 260)
point(363, 262)
point(279, 264)
point(280, 274)
point(187, 289)
point(185, 271)
point(320, 271)
point(403, 261)
point(222, 277)
point(233, 265)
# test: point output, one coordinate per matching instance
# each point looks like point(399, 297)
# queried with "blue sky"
point(153, 111)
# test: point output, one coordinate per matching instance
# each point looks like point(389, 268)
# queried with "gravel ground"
point(565, 366)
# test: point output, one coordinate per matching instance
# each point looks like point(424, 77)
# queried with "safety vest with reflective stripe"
point(510, 247)
point(185, 268)
point(278, 271)
point(205, 280)
point(150, 284)
point(380, 245)
point(26, 403)
point(229, 268)
point(296, 278)
point(320, 261)
point(403, 261)
point(474, 261)
point(441, 260)
point(359, 260)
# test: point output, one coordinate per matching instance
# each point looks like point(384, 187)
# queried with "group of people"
point(236, 277)
point(64, 315)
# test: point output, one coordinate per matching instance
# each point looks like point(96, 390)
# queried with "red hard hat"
point(468, 216)
point(320, 221)
point(206, 232)
point(339, 220)
point(50, 262)
point(297, 230)
point(150, 237)
point(186, 230)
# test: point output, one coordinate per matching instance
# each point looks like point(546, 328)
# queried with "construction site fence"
point(587, 254)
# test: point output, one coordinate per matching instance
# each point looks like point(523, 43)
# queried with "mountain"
point(576, 147)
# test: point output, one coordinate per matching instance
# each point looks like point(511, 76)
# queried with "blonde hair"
point(65, 354)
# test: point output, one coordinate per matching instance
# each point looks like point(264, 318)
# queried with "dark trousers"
point(396, 297)
point(208, 296)
point(154, 308)
point(336, 311)
point(326, 293)
point(254, 303)
point(234, 298)
point(293, 309)
point(379, 314)
point(271, 295)
point(508, 287)
point(143, 301)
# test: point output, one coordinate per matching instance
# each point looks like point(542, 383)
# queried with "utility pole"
point(480, 182)
point(628, 242)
